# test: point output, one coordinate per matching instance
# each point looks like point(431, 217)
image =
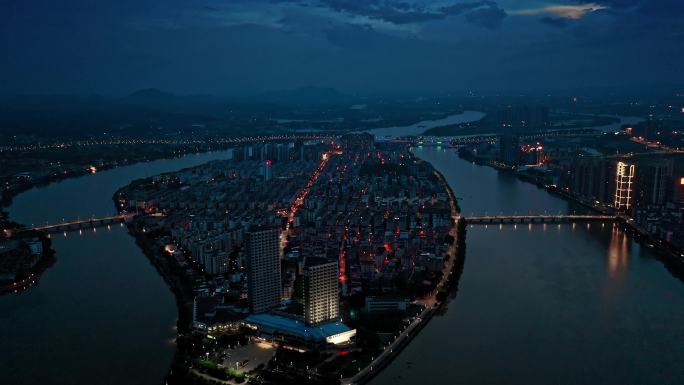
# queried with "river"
point(101, 314)
point(623, 121)
point(546, 304)
point(420, 127)
point(474, 116)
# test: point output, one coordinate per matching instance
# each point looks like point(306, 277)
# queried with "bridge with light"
point(80, 224)
point(537, 218)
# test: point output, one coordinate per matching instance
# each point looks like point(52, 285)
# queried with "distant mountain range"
point(149, 97)
point(142, 109)
point(154, 98)
point(158, 99)
point(305, 96)
point(149, 110)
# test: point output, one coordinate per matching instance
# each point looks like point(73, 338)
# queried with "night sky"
point(246, 46)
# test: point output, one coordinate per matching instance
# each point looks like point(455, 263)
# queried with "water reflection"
point(102, 297)
point(587, 306)
point(618, 255)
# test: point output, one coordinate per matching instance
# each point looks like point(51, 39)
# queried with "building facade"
point(624, 185)
point(654, 182)
point(263, 269)
point(321, 291)
point(593, 178)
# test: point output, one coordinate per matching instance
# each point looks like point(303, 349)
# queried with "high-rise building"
point(263, 269)
point(321, 291)
point(267, 172)
point(282, 152)
point(624, 184)
point(514, 120)
point(299, 150)
point(593, 178)
point(216, 263)
point(271, 150)
point(653, 184)
point(241, 153)
point(509, 146)
point(679, 190)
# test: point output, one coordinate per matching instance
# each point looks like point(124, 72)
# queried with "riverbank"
point(15, 229)
point(153, 234)
point(180, 285)
point(420, 128)
point(102, 276)
point(182, 289)
point(25, 184)
point(23, 280)
point(671, 256)
point(436, 304)
point(447, 293)
point(525, 288)
point(134, 153)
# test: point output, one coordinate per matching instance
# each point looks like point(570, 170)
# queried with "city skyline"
point(341, 192)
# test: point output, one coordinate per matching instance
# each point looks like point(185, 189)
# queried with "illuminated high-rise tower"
point(624, 182)
point(321, 291)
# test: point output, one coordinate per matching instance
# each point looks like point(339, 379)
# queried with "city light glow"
point(623, 185)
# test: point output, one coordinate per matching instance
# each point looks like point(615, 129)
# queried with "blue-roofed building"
point(280, 329)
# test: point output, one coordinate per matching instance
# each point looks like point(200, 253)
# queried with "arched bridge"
point(538, 218)
point(83, 224)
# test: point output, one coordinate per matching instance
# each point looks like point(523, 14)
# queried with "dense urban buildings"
point(328, 252)
point(342, 192)
point(340, 233)
point(634, 169)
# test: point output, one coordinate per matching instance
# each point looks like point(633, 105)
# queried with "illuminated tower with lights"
point(321, 291)
point(624, 183)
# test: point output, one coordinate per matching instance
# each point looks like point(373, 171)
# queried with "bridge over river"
point(538, 218)
point(80, 224)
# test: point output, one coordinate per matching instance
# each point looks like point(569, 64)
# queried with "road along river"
point(545, 304)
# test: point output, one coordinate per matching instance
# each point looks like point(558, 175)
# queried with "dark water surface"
point(546, 304)
point(101, 314)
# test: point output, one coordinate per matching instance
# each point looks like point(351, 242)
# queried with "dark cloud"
point(489, 17)
point(460, 8)
point(356, 37)
point(661, 8)
point(391, 11)
point(652, 20)
point(557, 22)
point(245, 46)
point(483, 13)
